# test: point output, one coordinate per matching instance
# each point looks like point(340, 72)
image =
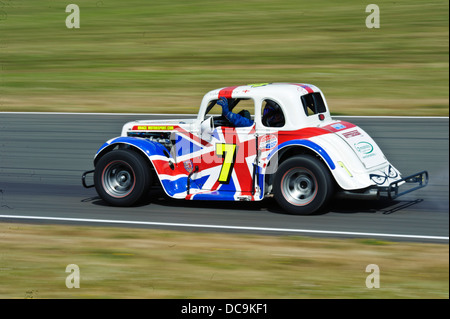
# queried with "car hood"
point(156, 125)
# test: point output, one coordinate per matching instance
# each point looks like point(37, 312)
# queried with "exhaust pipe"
point(369, 194)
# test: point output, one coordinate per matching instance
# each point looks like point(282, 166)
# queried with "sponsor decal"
point(351, 134)
point(188, 166)
point(338, 126)
point(152, 128)
point(268, 142)
point(364, 147)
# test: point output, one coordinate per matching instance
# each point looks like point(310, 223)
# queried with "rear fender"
point(310, 146)
point(341, 161)
point(350, 172)
point(282, 151)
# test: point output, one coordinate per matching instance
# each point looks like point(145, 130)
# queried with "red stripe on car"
point(307, 88)
point(226, 92)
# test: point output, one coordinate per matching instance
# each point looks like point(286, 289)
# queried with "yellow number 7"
point(228, 152)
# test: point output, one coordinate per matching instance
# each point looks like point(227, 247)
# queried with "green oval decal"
point(364, 147)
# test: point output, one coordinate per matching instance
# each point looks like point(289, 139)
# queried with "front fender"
point(173, 178)
point(146, 147)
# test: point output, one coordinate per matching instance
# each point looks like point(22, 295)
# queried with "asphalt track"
point(42, 157)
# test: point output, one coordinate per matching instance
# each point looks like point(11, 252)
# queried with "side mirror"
point(173, 152)
point(207, 128)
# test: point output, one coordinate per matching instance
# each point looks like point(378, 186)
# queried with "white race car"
point(291, 149)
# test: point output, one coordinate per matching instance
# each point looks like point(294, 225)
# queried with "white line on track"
point(268, 229)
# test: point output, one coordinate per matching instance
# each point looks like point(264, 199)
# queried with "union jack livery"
point(290, 149)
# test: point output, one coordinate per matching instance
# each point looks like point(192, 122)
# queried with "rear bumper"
point(394, 189)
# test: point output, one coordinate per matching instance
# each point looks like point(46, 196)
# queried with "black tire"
point(303, 185)
point(122, 177)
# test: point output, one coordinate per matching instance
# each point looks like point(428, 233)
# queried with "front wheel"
point(302, 185)
point(122, 177)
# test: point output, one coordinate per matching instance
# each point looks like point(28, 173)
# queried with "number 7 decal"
point(228, 153)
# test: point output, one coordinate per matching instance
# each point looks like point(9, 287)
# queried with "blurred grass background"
point(144, 263)
point(163, 56)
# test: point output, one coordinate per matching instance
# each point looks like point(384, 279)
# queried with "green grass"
point(140, 263)
point(162, 56)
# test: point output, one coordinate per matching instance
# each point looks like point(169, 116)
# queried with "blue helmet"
point(273, 115)
point(246, 114)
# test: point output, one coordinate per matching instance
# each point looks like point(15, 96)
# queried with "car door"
point(227, 160)
point(231, 159)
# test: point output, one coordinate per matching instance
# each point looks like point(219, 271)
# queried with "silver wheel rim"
point(299, 186)
point(118, 179)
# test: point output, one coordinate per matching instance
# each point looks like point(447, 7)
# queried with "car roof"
point(286, 95)
point(265, 90)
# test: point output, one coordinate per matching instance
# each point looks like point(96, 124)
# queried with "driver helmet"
point(246, 114)
point(272, 114)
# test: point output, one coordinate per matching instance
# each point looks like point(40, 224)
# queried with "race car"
point(291, 150)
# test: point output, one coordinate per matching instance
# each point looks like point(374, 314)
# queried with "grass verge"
point(142, 263)
point(163, 56)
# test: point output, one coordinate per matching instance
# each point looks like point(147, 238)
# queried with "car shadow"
point(339, 206)
point(383, 206)
point(159, 198)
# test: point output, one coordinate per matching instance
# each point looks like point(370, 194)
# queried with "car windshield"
point(313, 103)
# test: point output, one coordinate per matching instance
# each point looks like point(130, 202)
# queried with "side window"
point(272, 114)
point(313, 104)
point(242, 106)
point(239, 105)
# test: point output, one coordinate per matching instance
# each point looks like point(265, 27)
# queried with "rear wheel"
point(122, 177)
point(302, 185)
